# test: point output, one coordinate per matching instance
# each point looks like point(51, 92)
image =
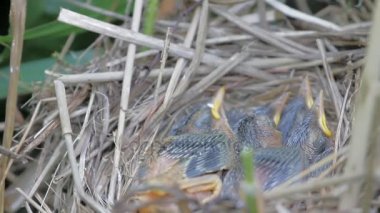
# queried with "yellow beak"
point(322, 121)
point(217, 103)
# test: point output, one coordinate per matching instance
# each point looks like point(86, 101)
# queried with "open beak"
point(278, 107)
point(305, 91)
point(322, 121)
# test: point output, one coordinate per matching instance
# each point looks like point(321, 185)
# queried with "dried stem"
point(365, 135)
point(181, 62)
point(17, 15)
point(94, 25)
point(124, 101)
point(67, 134)
point(302, 16)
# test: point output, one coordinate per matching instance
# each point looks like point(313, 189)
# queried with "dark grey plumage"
point(189, 145)
point(201, 153)
point(328, 150)
point(212, 151)
point(276, 165)
point(308, 136)
point(197, 119)
point(212, 160)
point(234, 116)
point(293, 114)
point(253, 131)
point(296, 109)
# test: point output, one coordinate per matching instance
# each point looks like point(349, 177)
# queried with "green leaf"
point(150, 17)
point(30, 72)
point(53, 28)
point(34, 71)
point(248, 168)
point(58, 29)
point(46, 36)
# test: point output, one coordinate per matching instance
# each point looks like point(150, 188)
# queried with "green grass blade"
point(249, 181)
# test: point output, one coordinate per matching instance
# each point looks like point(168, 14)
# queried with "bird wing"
point(276, 165)
point(212, 159)
point(189, 145)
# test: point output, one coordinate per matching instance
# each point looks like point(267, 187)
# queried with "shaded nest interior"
point(255, 60)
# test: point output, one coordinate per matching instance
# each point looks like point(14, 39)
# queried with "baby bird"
point(296, 109)
point(207, 157)
point(198, 154)
point(312, 134)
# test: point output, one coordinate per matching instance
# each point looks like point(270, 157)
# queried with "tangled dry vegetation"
point(87, 149)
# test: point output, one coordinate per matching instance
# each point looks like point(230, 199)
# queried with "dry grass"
point(113, 112)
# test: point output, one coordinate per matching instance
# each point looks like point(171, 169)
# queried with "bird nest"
point(94, 125)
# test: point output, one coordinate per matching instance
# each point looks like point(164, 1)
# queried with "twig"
point(234, 10)
point(302, 16)
point(11, 154)
point(149, 145)
point(334, 92)
point(53, 159)
point(214, 76)
point(261, 7)
point(31, 201)
point(43, 204)
point(199, 49)
point(164, 57)
point(17, 17)
point(139, 55)
point(87, 116)
point(366, 122)
point(67, 134)
point(337, 144)
point(64, 51)
point(311, 185)
point(181, 62)
point(94, 25)
point(124, 101)
point(226, 1)
point(103, 77)
point(100, 10)
point(254, 18)
point(26, 133)
point(280, 42)
point(306, 64)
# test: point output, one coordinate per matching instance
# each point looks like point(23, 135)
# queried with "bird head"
point(257, 131)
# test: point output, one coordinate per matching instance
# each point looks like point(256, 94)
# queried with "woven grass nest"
point(105, 117)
